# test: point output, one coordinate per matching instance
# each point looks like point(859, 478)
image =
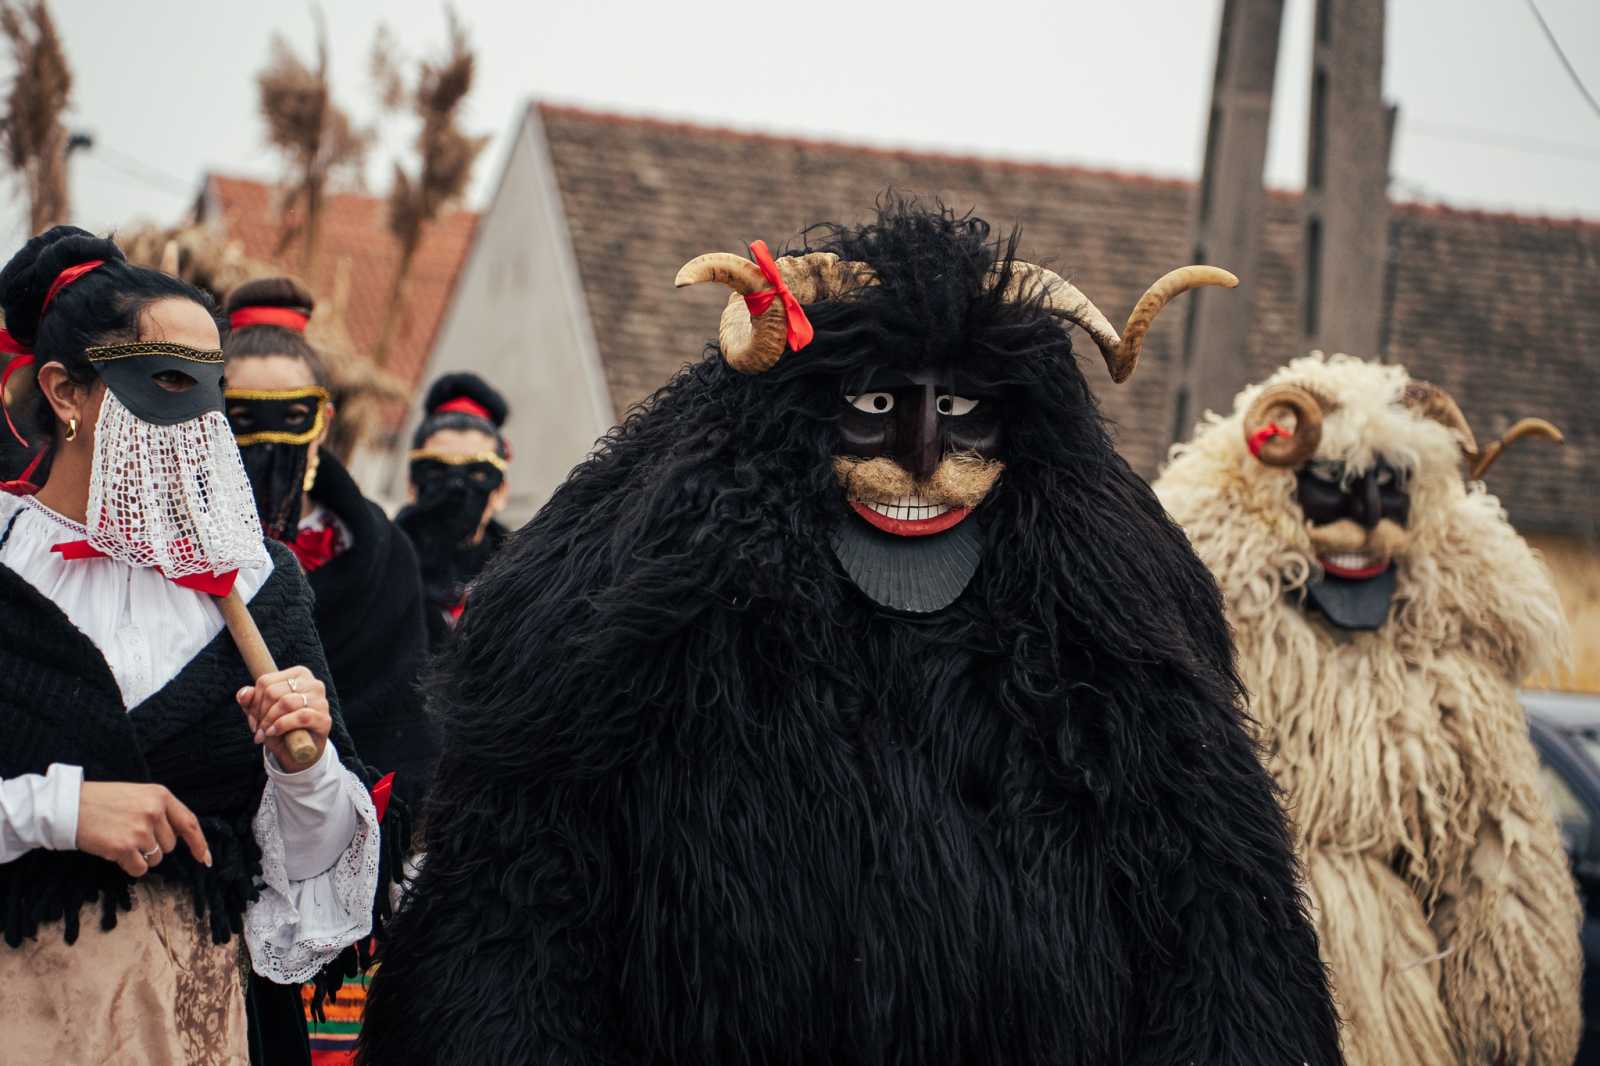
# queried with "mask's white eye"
point(873, 403)
point(954, 406)
point(1385, 477)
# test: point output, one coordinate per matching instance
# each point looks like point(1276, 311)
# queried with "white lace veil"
point(171, 497)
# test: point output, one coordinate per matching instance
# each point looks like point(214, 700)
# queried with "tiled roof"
point(354, 230)
point(1478, 300)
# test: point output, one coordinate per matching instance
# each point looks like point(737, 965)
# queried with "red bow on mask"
point(799, 329)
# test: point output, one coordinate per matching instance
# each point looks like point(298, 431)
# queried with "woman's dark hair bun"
point(27, 278)
point(271, 292)
point(472, 387)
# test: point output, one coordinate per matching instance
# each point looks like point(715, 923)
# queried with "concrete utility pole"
point(1230, 210)
point(1346, 212)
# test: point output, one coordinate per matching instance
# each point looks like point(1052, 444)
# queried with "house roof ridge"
point(933, 155)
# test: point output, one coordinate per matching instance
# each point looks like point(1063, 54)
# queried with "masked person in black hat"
point(458, 484)
point(369, 602)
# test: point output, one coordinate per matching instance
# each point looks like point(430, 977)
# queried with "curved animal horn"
point(1267, 439)
point(1430, 401)
point(750, 345)
point(1527, 427)
point(1121, 352)
point(754, 345)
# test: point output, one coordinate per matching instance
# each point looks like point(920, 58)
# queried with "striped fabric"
point(333, 1042)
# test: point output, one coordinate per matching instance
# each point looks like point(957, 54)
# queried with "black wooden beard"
point(917, 575)
point(1352, 604)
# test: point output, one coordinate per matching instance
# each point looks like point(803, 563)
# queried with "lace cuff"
point(296, 927)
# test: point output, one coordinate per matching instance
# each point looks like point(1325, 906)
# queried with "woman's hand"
point(280, 703)
point(135, 825)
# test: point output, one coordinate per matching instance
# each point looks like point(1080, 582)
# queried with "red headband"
point(467, 406)
point(282, 317)
point(22, 355)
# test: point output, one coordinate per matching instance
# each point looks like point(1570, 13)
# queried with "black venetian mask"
point(160, 383)
point(1357, 583)
point(275, 429)
point(917, 452)
point(452, 495)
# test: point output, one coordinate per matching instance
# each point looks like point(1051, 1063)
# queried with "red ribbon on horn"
point(799, 329)
point(1259, 438)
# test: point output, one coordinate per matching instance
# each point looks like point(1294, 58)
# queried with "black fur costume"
point(702, 802)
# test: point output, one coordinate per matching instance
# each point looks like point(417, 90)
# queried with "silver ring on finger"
point(152, 855)
point(305, 701)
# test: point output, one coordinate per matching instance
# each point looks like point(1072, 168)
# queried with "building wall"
point(1575, 563)
point(519, 319)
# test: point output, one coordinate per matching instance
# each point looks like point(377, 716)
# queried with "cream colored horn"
point(1121, 352)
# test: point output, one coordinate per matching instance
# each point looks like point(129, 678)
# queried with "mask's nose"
point(923, 447)
point(1365, 507)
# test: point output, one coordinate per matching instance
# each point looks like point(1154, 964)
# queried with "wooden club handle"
point(258, 660)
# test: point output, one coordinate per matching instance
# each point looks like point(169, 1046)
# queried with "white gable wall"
point(518, 318)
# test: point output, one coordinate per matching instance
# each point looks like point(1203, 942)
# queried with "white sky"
point(1487, 116)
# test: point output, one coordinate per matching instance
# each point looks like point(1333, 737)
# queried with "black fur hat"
point(483, 409)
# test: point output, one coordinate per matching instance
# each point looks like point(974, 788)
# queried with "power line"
point(1562, 55)
point(130, 167)
point(1495, 139)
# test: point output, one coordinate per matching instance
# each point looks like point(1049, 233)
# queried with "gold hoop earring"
point(72, 428)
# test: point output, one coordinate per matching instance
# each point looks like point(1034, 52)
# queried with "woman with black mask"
point(149, 810)
point(458, 484)
point(369, 603)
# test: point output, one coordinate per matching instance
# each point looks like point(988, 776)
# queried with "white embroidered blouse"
point(317, 828)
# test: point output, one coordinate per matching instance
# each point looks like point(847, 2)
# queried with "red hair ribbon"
point(282, 317)
point(466, 405)
point(67, 277)
point(24, 485)
point(1260, 437)
point(21, 358)
point(22, 355)
point(799, 329)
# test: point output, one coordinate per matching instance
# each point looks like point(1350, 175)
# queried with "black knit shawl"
point(59, 703)
point(370, 611)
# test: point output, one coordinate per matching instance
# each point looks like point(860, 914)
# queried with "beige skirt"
point(153, 990)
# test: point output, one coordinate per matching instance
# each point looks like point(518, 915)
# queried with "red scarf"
point(314, 547)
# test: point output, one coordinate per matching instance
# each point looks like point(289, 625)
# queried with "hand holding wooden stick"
point(301, 746)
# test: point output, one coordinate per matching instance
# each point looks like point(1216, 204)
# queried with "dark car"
point(1566, 731)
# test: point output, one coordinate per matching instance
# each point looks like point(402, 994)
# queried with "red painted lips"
point(910, 519)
